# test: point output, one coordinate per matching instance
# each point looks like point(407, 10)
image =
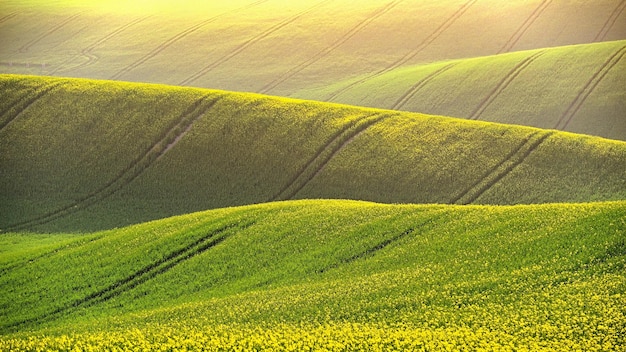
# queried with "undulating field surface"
point(372, 54)
point(82, 155)
point(326, 274)
point(577, 88)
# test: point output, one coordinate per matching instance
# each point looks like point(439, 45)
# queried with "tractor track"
point(7, 17)
point(410, 93)
point(410, 55)
point(503, 84)
point(347, 36)
point(610, 22)
point(24, 102)
point(24, 48)
point(87, 52)
point(154, 52)
point(132, 171)
point(237, 50)
point(591, 84)
point(502, 169)
point(148, 272)
point(524, 27)
point(321, 158)
point(383, 244)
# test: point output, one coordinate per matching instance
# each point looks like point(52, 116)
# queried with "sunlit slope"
point(279, 47)
point(327, 273)
point(80, 154)
point(574, 88)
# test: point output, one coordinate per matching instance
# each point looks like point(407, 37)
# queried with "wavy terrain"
point(155, 151)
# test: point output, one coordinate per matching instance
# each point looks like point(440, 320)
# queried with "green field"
point(264, 175)
point(320, 50)
point(327, 274)
point(155, 151)
point(576, 88)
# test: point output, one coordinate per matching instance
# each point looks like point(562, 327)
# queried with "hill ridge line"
point(591, 84)
point(351, 33)
point(503, 84)
point(131, 172)
point(331, 148)
point(8, 17)
point(410, 93)
point(510, 162)
point(525, 26)
point(411, 54)
point(238, 49)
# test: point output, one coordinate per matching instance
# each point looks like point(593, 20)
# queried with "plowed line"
point(593, 82)
point(154, 52)
point(212, 239)
point(502, 169)
point(351, 33)
point(8, 17)
point(410, 55)
point(325, 154)
point(524, 27)
point(383, 244)
point(86, 52)
point(409, 94)
point(503, 84)
point(248, 43)
point(24, 103)
point(130, 173)
point(610, 22)
point(28, 45)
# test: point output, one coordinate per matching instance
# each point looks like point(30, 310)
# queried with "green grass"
point(314, 272)
point(311, 50)
point(80, 155)
point(495, 88)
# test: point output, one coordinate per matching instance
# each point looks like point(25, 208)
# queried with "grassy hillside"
point(83, 155)
point(574, 88)
point(333, 274)
point(279, 47)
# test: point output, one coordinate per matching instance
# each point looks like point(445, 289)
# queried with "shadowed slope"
point(99, 154)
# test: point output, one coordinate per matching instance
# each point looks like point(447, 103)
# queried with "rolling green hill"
point(340, 275)
point(83, 155)
point(576, 88)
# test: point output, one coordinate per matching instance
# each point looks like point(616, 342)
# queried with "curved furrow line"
point(317, 164)
point(524, 27)
point(351, 33)
point(19, 106)
point(237, 50)
point(410, 55)
point(498, 172)
point(610, 22)
point(24, 48)
point(385, 243)
point(86, 52)
point(593, 82)
point(7, 17)
point(150, 271)
point(154, 52)
point(132, 171)
point(503, 84)
point(409, 94)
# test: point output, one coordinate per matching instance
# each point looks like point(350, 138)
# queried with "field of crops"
point(156, 151)
point(308, 50)
point(264, 175)
point(326, 274)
